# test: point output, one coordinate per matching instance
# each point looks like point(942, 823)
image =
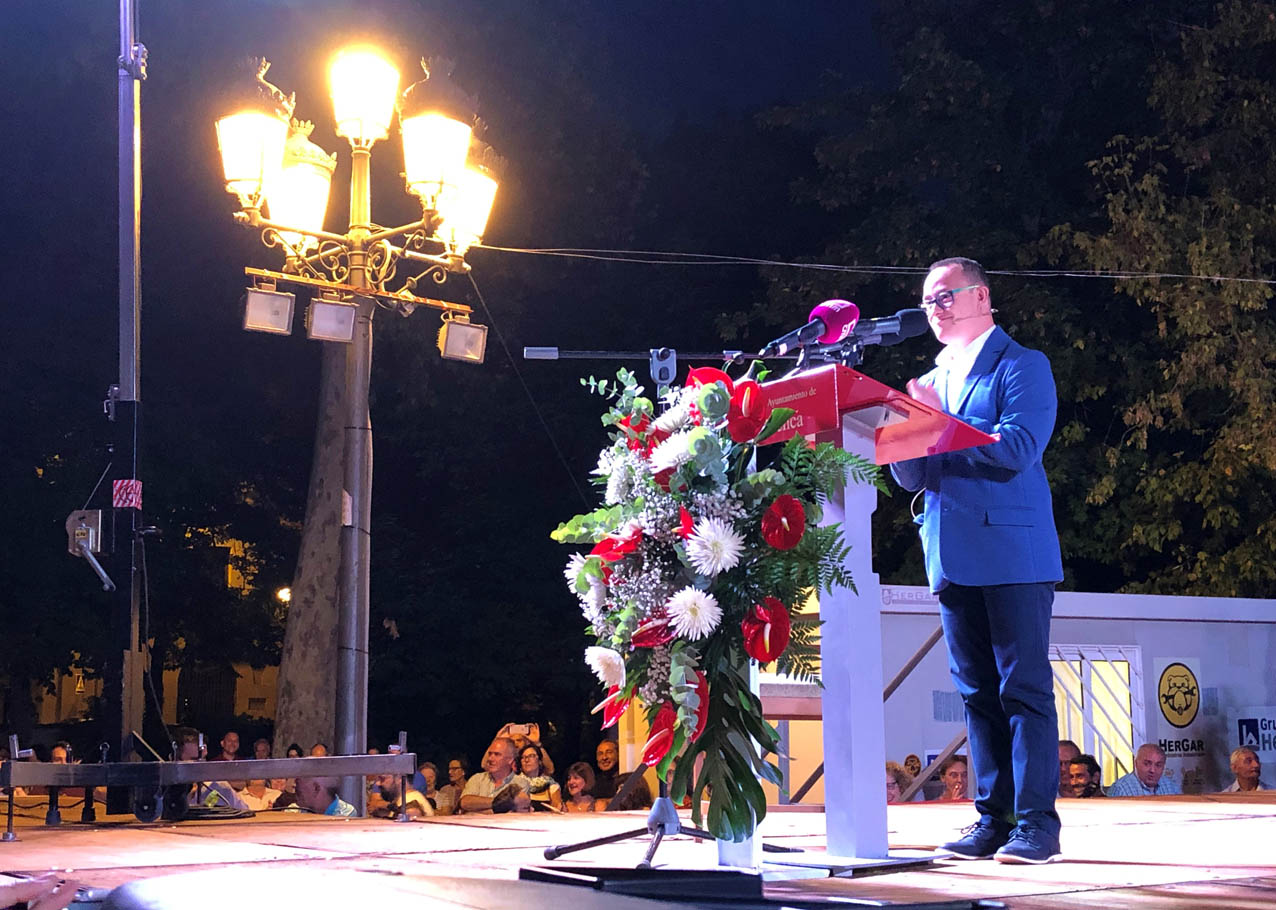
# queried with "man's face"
point(57, 756)
point(261, 750)
point(967, 317)
point(431, 779)
point(955, 780)
point(1078, 778)
point(499, 760)
point(1247, 766)
point(310, 795)
point(1149, 766)
point(1066, 756)
point(230, 743)
point(188, 751)
point(318, 749)
point(607, 755)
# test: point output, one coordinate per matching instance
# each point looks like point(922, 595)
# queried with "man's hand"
point(926, 394)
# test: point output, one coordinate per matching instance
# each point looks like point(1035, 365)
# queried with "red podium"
point(900, 426)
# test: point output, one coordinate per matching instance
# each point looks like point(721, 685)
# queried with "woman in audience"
point(580, 789)
point(897, 781)
point(544, 789)
point(295, 751)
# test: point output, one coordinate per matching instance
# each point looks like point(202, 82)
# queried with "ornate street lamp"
point(282, 181)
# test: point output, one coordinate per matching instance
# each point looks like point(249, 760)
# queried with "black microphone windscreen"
point(912, 322)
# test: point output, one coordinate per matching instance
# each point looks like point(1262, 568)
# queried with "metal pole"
point(123, 703)
point(356, 509)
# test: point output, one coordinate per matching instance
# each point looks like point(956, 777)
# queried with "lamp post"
point(270, 163)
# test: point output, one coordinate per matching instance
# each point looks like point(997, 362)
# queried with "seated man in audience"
point(322, 795)
point(389, 786)
point(259, 795)
point(1086, 777)
point(954, 774)
point(1248, 770)
point(1068, 753)
point(1148, 777)
point(318, 750)
point(261, 749)
point(606, 768)
point(497, 779)
point(212, 793)
point(230, 748)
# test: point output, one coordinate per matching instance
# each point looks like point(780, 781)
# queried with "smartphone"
point(519, 729)
point(394, 749)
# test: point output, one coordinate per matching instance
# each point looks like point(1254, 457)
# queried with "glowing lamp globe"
point(364, 87)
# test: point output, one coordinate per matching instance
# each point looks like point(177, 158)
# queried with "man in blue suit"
point(992, 556)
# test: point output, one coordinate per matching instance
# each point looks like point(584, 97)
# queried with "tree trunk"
point(307, 692)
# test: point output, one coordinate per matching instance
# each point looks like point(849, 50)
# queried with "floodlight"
point(331, 319)
point(268, 311)
point(459, 340)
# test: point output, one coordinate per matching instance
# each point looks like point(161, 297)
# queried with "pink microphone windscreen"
point(839, 318)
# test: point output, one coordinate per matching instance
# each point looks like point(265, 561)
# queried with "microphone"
point(891, 330)
point(831, 322)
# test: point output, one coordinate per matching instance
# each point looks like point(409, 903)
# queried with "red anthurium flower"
point(702, 713)
point(750, 409)
point(613, 706)
point(635, 429)
point(708, 376)
point(766, 629)
point(686, 527)
point(614, 547)
point(661, 739)
point(784, 523)
point(652, 632)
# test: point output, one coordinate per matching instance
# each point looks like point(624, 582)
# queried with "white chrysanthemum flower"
point(620, 483)
point(575, 563)
point(671, 453)
point(714, 547)
point(693, 613)
point(607, 461)
point(607, 665)
point(677, 417)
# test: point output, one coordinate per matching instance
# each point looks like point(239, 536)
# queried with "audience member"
point(261, 749)
point(1068, 752)
point(498, 778)
point(458, 769)
point(544, 789)
point(294, 751)
point(390, 787)
point(322, 795)
point(1247, 771)
point(954, 774)
point(897, 781)
point(230, 748)
point(60, 753)
point(258, 795)
point(580, 789)
point(1085, 777)
point(1148, 777)
point(606, 768)
point(639, 796)
point(212, 793)
point(319, 750)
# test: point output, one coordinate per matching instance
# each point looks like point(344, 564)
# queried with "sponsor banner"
point(1254, 726)
point(1181, 730)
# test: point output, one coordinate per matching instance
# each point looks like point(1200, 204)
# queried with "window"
point(1098, 691)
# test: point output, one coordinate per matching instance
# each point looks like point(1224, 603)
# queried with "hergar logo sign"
point(1179, 694)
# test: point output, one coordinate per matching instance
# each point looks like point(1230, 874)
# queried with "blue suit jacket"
point(988, 518)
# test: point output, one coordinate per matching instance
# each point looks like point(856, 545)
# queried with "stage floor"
point(1172, 852)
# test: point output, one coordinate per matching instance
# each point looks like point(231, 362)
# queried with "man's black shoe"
point(1029, 844)
point(979, 841)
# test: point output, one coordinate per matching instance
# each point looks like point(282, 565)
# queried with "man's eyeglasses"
point(944, 299)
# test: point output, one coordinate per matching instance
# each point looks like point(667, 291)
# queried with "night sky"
point(624, 127)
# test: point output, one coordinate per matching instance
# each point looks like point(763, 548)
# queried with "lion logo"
point(1179, 695)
